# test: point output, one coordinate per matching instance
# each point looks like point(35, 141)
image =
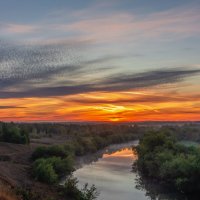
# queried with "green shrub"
point(43, 171)
point(162, 158)
point(70, 189)
point(79, 149)
point(27, 194)
point(13, 134)
point(61, 166)
point(49, 170)
point(46, 152)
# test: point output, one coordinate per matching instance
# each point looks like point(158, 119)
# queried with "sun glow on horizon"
point(105, 61)
point(110, 107)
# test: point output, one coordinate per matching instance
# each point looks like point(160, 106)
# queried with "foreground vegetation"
point(13, 134)
point(50, 163)
point(70, 189)
point(58, 145)
point(161, 157)
point(51, 150)
point(67, 191)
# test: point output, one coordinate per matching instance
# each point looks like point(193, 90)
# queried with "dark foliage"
point(13, 134)
point(50, 151)
point(70, 189)
point(162, 158)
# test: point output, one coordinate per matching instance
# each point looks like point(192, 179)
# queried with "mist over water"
point(112, 174)
point(114, 179)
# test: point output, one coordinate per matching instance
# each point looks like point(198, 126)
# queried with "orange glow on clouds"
point(111, 107)
point(113, 61)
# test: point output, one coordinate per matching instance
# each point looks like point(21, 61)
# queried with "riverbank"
point(164, 160)
point(16, 163)
point(82, 141)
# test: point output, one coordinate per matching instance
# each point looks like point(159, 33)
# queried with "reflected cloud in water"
point(111, 172)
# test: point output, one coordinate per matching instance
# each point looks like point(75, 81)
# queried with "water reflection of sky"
point(112, 175)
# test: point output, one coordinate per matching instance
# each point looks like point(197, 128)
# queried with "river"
point(111, 172)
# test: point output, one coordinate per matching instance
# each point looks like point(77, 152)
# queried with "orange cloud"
point(113, 107)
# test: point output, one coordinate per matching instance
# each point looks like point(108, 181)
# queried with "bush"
point(88, 144)
point(50, 169)
point(70, 189)
point(27, 194)
point(43, 171)
point(79, 150)
point(162, 158)
point(13, 134)
point(61, 166)
point(46, 152)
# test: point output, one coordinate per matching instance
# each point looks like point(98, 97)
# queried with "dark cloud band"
point(111, 84)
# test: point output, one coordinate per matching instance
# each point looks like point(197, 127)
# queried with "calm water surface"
point(112, 175)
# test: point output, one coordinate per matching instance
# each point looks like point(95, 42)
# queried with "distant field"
point(189, 143)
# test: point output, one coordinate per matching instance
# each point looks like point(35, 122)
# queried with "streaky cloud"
point(147, 98)
point(151, 78)
point(120, 82)
point(10, 107)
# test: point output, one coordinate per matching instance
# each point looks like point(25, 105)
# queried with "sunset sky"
point(98, 60)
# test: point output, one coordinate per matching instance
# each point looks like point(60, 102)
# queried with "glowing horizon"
point(99, 61)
